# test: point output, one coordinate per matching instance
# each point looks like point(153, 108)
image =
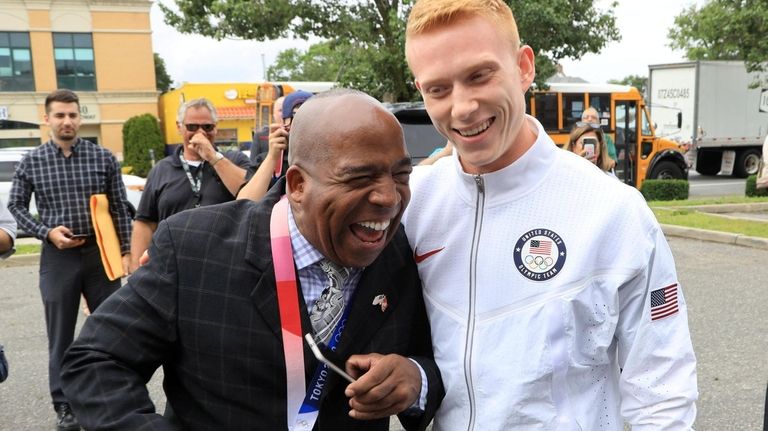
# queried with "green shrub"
point(665, 190)
point(141, 134)
point(751, 190)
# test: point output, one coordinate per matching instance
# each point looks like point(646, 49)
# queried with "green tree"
point(636, 81)
point(724, 30)
point(162, 79)
point(365, 38)
point(319, 63)
point(140, 135)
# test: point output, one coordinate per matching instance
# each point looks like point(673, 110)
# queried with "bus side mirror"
point(679, 120)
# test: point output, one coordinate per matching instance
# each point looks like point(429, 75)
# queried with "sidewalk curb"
point(715, 236)
point(20, 260)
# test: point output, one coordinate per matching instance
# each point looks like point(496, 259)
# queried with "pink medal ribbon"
point(288, 301)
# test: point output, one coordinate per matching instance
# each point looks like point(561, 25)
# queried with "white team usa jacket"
point(552, 296)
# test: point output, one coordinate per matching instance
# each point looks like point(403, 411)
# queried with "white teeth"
point(380, 225)
point(476, 130)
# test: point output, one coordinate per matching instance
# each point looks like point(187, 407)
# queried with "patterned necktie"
point(328, 309)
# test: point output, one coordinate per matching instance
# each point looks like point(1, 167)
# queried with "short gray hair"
point(196, 103)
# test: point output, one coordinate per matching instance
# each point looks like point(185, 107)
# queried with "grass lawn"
point(27, 248)
point(676, 213)
point(708, 201)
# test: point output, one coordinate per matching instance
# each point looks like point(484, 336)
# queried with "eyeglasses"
point(194, 127)
point(592, 125)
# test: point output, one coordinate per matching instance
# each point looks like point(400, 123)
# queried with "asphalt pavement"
point(724, 286)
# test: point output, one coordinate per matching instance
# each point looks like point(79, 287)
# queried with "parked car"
point(134, 186)
point(9, 158)
point(421, 137)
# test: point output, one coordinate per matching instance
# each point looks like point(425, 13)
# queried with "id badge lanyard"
point(302, 405)
point(195, 183)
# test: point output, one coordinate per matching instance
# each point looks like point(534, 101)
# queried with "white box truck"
point(723, 120)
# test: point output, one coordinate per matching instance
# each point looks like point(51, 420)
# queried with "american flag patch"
point(664, 302)
point(541, 247)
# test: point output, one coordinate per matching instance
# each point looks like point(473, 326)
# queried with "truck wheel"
point(708, 162)
point(666, 170)
point(746, 164)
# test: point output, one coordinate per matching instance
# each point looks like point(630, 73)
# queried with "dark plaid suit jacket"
point(205, 309)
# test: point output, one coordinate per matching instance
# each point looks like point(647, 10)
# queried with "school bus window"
point(602, 103)
point(546, 110)
point(528, 103)
point(573, 106)
point(646, 126)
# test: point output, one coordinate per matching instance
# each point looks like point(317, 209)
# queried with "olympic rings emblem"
point(540, 254)
point(538, 262)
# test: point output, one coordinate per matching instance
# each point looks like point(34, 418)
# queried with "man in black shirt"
point(63, 173)
point(196, 174)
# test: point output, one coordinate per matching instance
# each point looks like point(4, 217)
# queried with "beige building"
point(101, 49)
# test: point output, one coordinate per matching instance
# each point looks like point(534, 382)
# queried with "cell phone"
point(589, 145)
point(78, 236)
point(320, 357)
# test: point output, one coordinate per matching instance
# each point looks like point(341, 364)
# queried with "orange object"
point(106, 237)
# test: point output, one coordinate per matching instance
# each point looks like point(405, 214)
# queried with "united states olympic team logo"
point(539, 254)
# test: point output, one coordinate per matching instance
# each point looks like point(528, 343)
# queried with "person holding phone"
point(591, 116)
point(230, 291)
point(63, 174)
point(196, 174)
point(272, 164)
point(551, 291)
point(588, 141)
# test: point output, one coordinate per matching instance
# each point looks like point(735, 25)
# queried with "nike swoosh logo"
point(422, 257)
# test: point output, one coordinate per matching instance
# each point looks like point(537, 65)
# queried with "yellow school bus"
point(641, 154)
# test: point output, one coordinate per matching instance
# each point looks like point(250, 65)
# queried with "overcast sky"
point(643, 26)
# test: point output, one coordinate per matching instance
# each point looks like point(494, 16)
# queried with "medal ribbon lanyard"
point(195, 183)
point(300, 415)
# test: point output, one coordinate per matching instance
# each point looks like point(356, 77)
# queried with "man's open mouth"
point(370, 231)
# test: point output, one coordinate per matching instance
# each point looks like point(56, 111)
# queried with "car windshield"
point(6, 170)
point(421, 137)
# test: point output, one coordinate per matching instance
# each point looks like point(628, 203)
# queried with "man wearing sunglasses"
point(196, 174)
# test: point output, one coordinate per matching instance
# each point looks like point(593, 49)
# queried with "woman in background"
point(588, 141)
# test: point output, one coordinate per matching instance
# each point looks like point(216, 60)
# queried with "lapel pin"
point(381, 300)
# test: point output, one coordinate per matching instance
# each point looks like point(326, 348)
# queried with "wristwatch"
point(216, 158)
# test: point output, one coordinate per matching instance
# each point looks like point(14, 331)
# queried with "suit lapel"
point(365, 318)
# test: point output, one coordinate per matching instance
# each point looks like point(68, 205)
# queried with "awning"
point(236, 112)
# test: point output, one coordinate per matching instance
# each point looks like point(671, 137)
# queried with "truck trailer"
point(709, 107)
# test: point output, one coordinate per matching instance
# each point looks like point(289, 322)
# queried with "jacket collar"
point(518, 179)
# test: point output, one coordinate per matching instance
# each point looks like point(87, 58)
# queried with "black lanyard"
point(195, 183)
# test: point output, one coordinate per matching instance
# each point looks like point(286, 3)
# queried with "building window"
point(15, 62)
point(73, 53)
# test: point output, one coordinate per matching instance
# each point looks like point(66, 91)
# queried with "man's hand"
point(278, 141)
point(60, 237)
point(126, 261)
point(202, 146)
point(386, 385)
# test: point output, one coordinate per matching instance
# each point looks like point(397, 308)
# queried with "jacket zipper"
point(479, 204)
